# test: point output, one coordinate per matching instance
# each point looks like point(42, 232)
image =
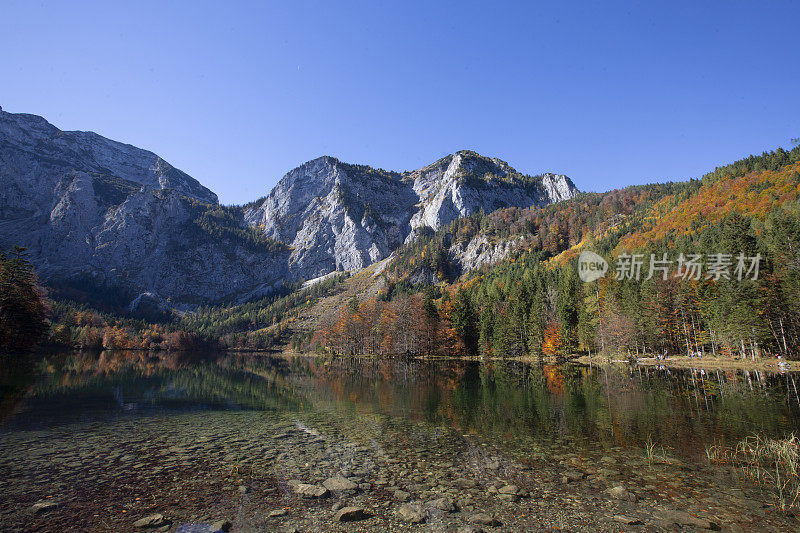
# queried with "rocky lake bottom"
point(347, 454)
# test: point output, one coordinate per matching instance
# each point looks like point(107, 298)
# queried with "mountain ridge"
point(92, 208)
point(341, 216)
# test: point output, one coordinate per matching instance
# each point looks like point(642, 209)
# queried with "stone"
point(470, 529)
point(485, 520)
point(243, 489)
point(509, 489)
point(44, 506)
point(443, 504)
point(154, 520)
point(402, 496)
point(409, 512)
point(307, 490)
point(278, 512)
point(465, 484)
point(339, 483)
point(351, 514)
point(620, 493)
point(623, 519)
point(221, 526)
point(683, 518)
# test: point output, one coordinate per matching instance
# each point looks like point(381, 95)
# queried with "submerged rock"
point(401, 495)
point(410, 512)
point(621, 493)
point(43, 506)
point(351, 514)
point(485, 520)
point(339, 483)
point(311, 491)
point(683, 518)
point(154, 520)
point(443, 504)
point(623, 519)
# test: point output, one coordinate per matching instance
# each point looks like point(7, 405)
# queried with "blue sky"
point(236, 93)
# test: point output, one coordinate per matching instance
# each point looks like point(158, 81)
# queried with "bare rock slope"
point(338, 216)
point(113, 215)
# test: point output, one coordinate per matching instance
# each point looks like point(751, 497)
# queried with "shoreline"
point(677, 361)
point(700, 363)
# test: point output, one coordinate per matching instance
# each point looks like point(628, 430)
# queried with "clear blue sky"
point(236, 94)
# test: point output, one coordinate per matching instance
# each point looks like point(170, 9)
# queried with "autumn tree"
point(553, 344)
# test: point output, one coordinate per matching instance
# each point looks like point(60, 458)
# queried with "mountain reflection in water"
point(515, 403)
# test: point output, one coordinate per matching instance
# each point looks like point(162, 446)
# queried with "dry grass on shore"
point(707, 363)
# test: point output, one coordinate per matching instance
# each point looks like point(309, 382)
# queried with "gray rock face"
point(338, 216)
point(93, 209)
point(114, 215)
point(479, 251)
point(462, 184)
point(335, 216)
point(36, 152)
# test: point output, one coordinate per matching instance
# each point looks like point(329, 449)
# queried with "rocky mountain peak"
point(343, 216)
point(31, 145)
point(90, 207)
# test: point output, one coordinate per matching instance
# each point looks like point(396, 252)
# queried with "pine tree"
point(22, 308)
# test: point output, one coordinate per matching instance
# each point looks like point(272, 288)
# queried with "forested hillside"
point(534, 302)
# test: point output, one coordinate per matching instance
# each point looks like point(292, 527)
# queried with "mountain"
point(36, 156)
point(338, 216)
point(507, 282)
point(97, 213)
point(101, 213)
point(739, 225)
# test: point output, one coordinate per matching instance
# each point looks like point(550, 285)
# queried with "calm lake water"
point(511, 402)
point(120, 435)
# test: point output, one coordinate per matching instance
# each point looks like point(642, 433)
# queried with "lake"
point(105, 440)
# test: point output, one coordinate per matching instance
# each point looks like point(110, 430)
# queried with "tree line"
point(534, 302)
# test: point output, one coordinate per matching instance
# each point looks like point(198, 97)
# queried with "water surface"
point(112, 426)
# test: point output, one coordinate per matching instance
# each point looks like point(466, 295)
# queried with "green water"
point(680, 410)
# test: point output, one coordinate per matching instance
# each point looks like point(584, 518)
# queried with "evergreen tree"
point(465, 321)
point(22, 307)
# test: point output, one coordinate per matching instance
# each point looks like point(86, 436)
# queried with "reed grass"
point(649, 450)
point(773, 464)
